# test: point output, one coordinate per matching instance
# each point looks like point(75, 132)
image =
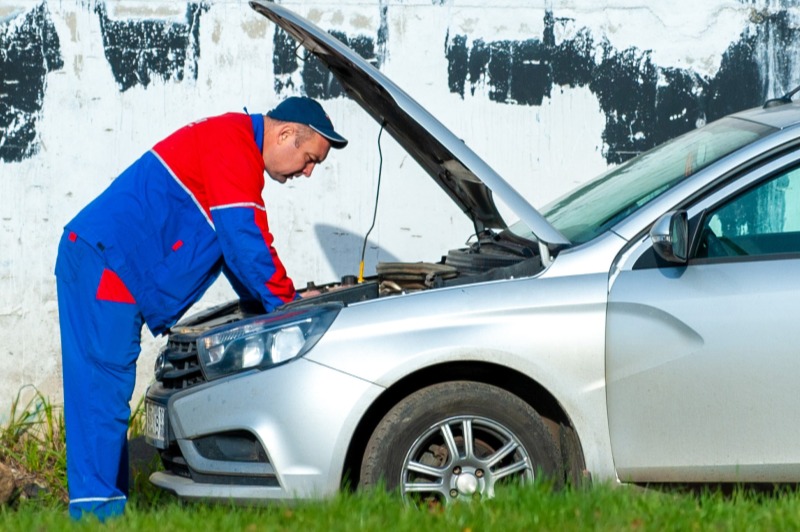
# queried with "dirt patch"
point(7, 484)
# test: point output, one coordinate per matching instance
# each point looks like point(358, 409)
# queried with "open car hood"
point(466, 178)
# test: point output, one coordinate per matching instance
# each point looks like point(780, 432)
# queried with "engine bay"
point(491, 256)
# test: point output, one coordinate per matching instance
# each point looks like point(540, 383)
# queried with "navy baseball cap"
point(302, 110)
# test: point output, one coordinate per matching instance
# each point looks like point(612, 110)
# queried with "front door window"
point(765, 220)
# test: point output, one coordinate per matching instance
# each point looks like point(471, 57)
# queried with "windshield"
point(596, 206)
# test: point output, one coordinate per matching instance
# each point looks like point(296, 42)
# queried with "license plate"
point(156, 425)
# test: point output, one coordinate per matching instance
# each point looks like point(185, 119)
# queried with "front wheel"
point(458, 440)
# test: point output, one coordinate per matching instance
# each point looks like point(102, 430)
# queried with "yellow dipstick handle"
point(361, 272)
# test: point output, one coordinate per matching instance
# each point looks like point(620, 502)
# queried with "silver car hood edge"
point(464, 176)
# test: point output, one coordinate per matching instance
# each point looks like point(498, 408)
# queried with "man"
point(148, 247)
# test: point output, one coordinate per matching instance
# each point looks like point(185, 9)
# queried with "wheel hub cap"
point(467, 484)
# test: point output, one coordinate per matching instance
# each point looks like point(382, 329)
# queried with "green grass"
point(533, 508)
point(32, 441)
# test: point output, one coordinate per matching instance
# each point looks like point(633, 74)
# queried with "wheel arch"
point(540, 399)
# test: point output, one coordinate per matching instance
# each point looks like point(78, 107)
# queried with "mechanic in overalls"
point(148, 247)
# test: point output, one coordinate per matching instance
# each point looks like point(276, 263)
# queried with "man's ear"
point(285, 132)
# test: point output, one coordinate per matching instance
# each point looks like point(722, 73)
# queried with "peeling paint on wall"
point(644, 104)
point(255, 29)
point(314, 80)
point(138, 49)
point(29, 49)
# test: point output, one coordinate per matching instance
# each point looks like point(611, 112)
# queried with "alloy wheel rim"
point(463, 458)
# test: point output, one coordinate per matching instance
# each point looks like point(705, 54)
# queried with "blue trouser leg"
point(100, 342)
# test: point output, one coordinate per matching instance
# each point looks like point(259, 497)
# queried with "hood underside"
point(464, 176)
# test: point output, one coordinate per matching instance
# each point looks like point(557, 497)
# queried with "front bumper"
point(277, 434)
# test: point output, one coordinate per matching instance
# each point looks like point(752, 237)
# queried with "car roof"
point(778, 116)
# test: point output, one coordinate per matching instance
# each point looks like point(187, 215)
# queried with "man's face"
point(287, 159)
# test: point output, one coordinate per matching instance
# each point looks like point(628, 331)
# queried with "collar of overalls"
point(258, 130)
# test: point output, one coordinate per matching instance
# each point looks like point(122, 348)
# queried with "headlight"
point(263, 341)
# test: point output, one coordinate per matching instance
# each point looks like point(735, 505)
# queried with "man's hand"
point(309, 293)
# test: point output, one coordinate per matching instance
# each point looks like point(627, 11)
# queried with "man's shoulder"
point(207, 133)
point(227, 120)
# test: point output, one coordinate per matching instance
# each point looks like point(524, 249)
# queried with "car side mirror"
point(670, 237)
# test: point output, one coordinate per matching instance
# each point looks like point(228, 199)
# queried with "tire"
point(419, 446)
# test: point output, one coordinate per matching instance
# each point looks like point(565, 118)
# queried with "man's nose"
point(308, 169)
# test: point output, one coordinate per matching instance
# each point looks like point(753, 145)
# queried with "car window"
point(765, 220)
point(593, 208)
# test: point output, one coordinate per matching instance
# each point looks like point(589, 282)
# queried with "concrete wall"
point(549, 92)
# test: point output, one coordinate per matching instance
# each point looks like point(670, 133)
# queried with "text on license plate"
point(156, 425)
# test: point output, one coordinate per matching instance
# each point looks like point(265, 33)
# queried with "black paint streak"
point(457, 63)
point(317, 81)
point(644, 104)
point(29, 49)
point(284, 60)
point(138, 50)
point(383, 33)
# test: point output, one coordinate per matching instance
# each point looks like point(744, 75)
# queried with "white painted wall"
point(90, 131)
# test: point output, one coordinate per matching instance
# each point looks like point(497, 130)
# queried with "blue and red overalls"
point(142, 252)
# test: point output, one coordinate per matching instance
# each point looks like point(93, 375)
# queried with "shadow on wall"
point(139, 49)
point(29, 49)
point(343, 251)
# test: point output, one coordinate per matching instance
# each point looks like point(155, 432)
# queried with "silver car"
point(637, 330)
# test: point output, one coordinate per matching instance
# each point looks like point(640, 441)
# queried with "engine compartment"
point(492, 256)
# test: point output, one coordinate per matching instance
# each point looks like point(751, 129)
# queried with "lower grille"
point(174, 462)
point(231, 480)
